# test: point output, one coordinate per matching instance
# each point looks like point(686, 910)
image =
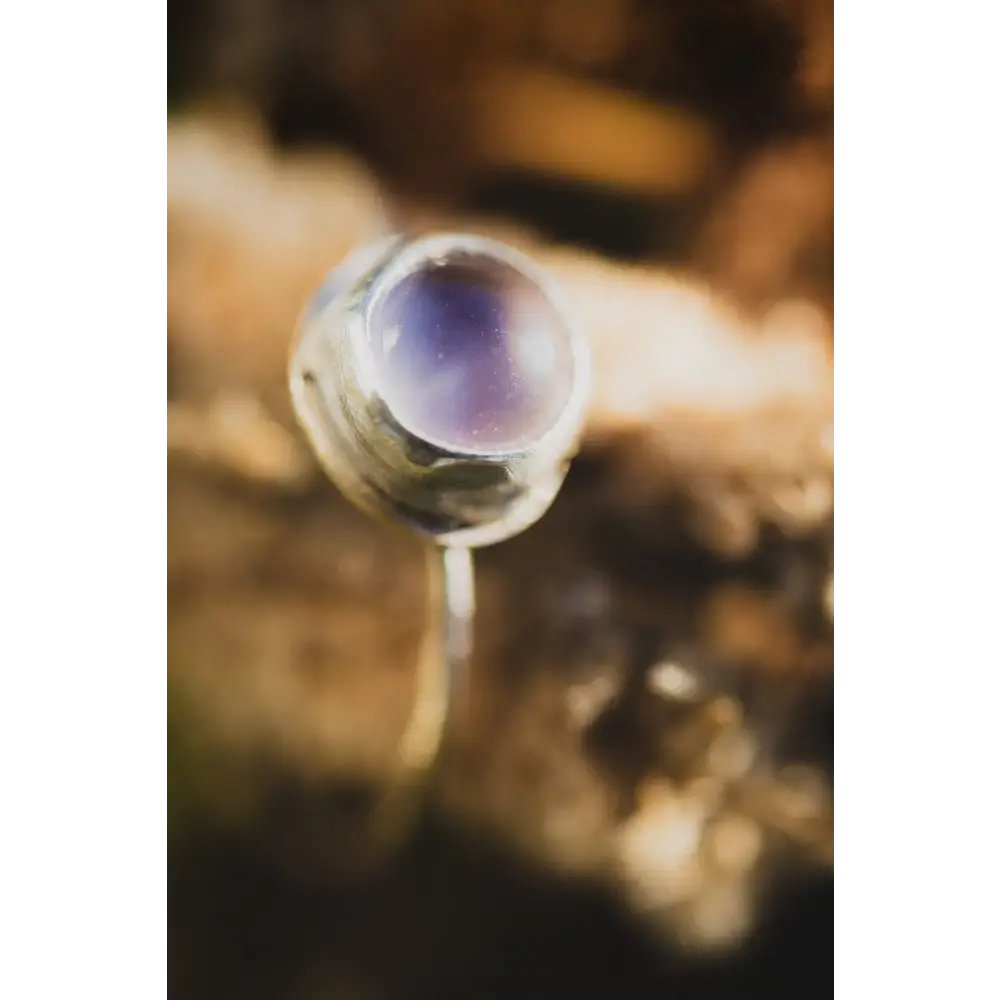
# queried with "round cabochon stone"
point(471, 355)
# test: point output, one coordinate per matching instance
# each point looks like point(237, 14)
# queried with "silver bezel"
point(383, 465)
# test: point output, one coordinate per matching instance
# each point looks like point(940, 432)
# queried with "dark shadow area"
point(459, 917)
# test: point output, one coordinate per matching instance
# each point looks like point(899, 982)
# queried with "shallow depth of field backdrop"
point(640, 799)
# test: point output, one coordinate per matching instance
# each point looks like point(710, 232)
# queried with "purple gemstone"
point(472, 355)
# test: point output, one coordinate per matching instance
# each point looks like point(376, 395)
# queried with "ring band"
point(441, 683)
point(442, 386)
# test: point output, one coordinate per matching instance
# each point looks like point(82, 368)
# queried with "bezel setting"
point(452, 495)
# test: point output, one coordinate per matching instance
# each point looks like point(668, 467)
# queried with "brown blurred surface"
point(639, 799)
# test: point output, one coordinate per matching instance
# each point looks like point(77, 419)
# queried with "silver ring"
point(442, 385)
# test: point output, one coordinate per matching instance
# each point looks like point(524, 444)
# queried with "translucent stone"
point(472, 355)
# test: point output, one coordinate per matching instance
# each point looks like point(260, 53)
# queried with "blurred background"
point(639, 800)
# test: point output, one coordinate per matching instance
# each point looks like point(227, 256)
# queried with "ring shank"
point(440, 684)
point(442, 671)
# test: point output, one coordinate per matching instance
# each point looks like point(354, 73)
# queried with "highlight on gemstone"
point(471, 354)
